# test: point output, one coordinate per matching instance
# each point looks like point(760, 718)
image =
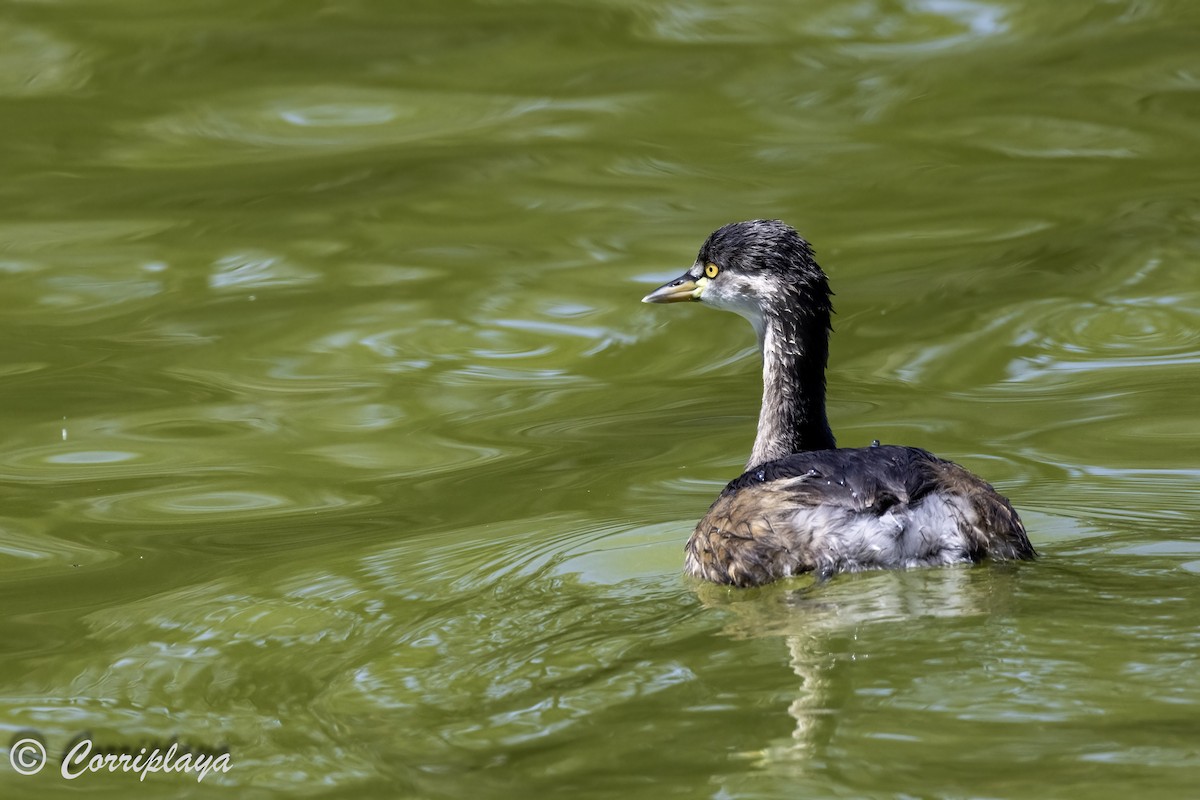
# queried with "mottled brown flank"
point(797, 514)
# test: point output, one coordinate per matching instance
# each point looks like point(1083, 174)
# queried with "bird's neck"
point(792, 418)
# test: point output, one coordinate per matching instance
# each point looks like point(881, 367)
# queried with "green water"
point(333, 431)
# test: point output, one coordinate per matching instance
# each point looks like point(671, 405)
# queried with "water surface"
point(333, 431)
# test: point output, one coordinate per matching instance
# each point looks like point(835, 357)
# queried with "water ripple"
point(257, 270)
point(214, 503)
point(874, 25)
point(35, 63)
point(1050, 138)
point(286, 122)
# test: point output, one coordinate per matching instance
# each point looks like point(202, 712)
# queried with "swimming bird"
point(803, 505)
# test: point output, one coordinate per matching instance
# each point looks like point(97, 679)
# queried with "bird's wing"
point(867, 479)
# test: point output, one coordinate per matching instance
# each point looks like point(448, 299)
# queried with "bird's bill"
point(680, 290)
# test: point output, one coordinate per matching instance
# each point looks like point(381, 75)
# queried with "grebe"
point(803, 504)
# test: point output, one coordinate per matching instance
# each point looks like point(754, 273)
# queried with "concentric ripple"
point(283, 122)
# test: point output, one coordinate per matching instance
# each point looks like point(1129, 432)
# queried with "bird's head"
point(759, 269)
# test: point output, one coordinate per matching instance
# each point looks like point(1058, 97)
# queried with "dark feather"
point(856, 508)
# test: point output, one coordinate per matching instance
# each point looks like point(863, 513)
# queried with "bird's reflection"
point(821, 623)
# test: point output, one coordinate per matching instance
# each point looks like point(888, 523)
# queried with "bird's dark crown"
point(761, 245)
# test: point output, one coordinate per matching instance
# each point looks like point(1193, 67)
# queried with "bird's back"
point(844, 510)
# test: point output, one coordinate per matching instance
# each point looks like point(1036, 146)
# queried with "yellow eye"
point(711, 271)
